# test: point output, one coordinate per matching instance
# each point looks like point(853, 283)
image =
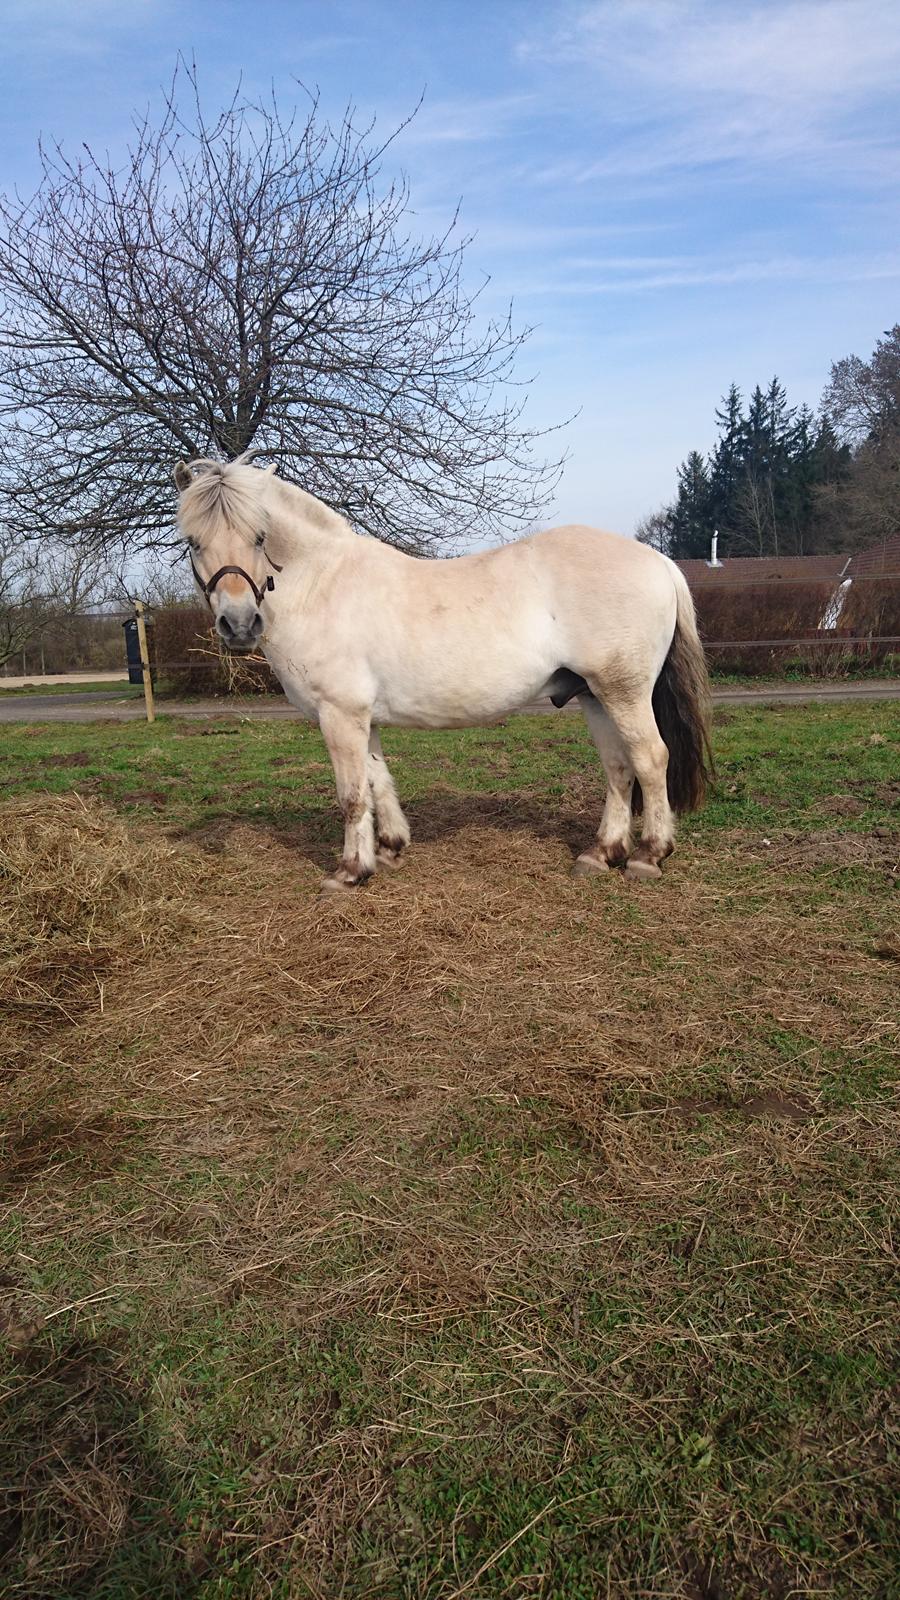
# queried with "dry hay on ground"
point(265, 1021)
point(245, 999)
point(360, 1070)
point(79, 893)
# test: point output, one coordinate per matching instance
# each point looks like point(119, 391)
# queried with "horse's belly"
point(444, 707)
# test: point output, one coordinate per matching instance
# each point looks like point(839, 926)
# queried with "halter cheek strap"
point(258, 593)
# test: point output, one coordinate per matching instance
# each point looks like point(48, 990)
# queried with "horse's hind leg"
point(614, 834)
point(635, 724)
point(346, 734)
point(391, 827)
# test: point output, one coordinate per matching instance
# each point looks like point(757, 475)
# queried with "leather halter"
point(207, 588)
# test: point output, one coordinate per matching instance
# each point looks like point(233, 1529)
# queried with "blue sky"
point(676, 193)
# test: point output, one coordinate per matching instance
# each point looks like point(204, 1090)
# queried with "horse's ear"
point(272, 468)
point(183, 476)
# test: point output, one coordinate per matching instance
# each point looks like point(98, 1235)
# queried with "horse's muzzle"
point(239, 630)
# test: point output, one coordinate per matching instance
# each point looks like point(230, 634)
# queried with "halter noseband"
point(207, 588)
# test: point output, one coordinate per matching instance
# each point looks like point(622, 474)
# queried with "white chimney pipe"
point(713, 554)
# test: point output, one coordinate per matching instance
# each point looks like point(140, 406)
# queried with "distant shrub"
point(872, 607)
point(769, 627)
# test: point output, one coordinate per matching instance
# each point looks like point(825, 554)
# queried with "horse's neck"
point(304, 528)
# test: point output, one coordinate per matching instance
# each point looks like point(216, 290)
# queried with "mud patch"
point(75, 758)
point(768, 1104)
point(885, 794)
point(876, 848)
point(776, 1106)
point(703, 1582)
point(157, 798)
point(842, 805)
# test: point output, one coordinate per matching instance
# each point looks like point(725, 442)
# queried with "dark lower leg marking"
point(392, 842)
point(349, 875)
point(601, 857)
point(644, 863)
point(652, 850)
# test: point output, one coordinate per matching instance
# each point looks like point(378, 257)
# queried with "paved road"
point(119, 676)
point(112, 707)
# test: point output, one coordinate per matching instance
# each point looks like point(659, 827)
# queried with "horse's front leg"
point(346, 733)
point(391, 826)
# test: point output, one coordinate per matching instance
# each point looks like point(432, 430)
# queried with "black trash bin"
point(133, 651)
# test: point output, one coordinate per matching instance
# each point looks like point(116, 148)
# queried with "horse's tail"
point(681, 706)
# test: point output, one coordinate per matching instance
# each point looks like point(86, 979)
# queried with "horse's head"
point(223, 517)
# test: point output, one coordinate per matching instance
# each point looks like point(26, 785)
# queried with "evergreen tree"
point(690, 515)
point(765, 471)
point(772, 485)
point(804, 464)
point(725, 468)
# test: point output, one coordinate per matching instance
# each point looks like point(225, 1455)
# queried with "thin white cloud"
point(805, 53)
point(468, 121)
point(72, 27)
point(616, 276)
point(692, 83)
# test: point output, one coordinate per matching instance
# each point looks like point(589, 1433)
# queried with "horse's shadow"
point(439, 815)
point(442, 814)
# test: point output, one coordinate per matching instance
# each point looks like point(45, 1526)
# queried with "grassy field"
point(123, 689)
point(484, 1233)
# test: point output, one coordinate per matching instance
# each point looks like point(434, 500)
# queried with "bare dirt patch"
point(770, 1104)
point(74, 758)
point(842, 805)
point(157, 798)
point(786, 850)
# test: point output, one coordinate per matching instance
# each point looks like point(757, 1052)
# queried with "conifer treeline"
point(759, 485)
point(781, 481)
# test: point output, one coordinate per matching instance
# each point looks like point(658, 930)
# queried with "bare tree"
point(655, 529)
point(40, 586)
point(251, 280)
point(862, 403)
point(862, 398)
point(756, 514)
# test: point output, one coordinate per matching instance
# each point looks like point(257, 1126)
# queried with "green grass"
point(82, 686)
point(563, 1267)
point(775, 764)
point(847, 671)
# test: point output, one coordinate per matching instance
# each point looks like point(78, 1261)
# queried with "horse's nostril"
point(239, 632)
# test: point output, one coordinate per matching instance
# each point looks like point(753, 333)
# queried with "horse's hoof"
point(391, 860)
point(338, 885)
point(587, 865)
point(640, 871)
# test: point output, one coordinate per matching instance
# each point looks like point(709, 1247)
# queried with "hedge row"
point(190, 660)
point(762, 628)
point(757, 629)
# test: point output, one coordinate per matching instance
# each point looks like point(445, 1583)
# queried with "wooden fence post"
point(145, 659)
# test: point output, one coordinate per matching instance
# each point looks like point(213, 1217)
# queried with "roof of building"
point(763, 569)
point(877, 558)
